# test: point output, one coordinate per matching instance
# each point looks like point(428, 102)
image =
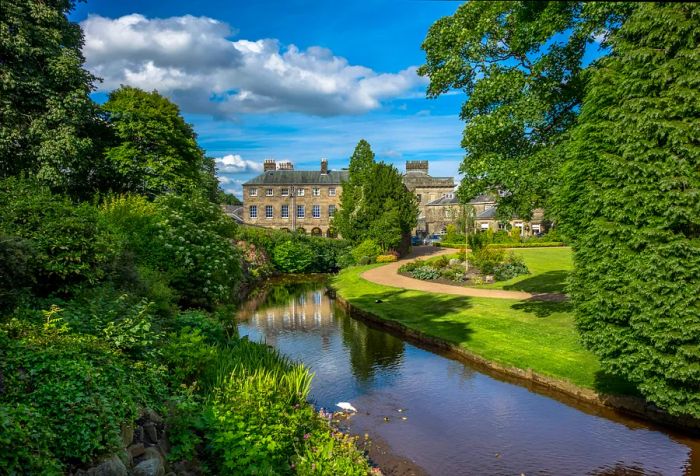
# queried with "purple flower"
point(307, 436)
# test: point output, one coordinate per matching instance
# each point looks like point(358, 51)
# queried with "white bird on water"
point(346, 406)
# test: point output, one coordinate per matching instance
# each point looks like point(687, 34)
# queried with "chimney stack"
point(420, 166)
point(285, 165)
point(269, 165)
point(324, 166)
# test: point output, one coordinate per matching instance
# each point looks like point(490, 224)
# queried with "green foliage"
point(156, 150)
point(425, 272)
point(16, 271)
point(520, 67)
point(293, 257)
point(25, 441)
point(487, 259)
point(327, 252)
point(477, 241)
point(452, 235)
point(186, 238)
point(514, 266)
point(48, 123)
point(630, 203)
point(61, 243)
point(528, 244)
point(330, 453)
point(375, 203)
point(386, 259)
point(83, 388)
point(369, 249)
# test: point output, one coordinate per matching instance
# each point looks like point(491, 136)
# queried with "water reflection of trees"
point(370, 349)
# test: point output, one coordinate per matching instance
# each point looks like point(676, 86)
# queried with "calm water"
point(458, 420)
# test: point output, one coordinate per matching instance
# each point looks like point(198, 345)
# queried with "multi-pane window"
point(300, 192)
point(331, 210)
point(285, 192)
point(316, 192)
point(253, 211)
point(300, 211)
point(268, 211)
point(269, 192)
point(331, 192)
point(316, 211)
point(253, 192)
point(285, 211)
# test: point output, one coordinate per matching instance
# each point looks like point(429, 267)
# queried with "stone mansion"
point(306, 200)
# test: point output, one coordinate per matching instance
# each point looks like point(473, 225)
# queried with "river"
point(430, 413)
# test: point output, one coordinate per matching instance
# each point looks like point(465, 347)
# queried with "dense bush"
point(293, 256)
point(16, 269)
point(528, 244)
point(510, 269)
point(187, 239)
point(25, 441)
point(57, 242)
point(368, 249)
point(630, 203)
point(486, 259)
point(328, 253)
point(83, 387)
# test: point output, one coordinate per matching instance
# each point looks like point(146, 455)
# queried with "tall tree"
point(375, 203)
point(348, 220)
point(156, 150)
point(47, 119)
point(520, 65)
point(630, 200)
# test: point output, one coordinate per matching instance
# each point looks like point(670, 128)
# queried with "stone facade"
point(428, 189)
point(446, 210)
point(288, 199)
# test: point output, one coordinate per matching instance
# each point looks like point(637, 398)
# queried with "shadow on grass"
point(549, 282)
point(425, 312)
point(542, 308)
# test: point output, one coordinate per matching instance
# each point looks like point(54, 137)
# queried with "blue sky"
point(293, 80)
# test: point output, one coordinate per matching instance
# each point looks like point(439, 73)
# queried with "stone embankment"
point(144, 452)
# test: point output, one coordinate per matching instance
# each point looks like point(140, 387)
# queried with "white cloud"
point(192, 60)
point(234, 163)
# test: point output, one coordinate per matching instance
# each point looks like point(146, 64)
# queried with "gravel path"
point(388, 276)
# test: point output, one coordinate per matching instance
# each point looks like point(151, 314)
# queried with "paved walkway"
point(388, 275)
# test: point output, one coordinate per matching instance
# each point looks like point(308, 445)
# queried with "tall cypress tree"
point(630, 199)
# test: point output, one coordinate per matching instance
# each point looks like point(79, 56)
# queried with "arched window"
point(332, 233)
point(316, 232)
point(301, 230)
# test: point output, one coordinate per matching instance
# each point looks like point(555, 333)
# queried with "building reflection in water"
point(296, 310)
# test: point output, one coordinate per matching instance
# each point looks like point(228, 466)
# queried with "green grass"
point(522, 334)
point(549, 269)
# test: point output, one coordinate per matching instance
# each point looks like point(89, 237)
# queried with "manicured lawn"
point(549, 268)
point(523, 334)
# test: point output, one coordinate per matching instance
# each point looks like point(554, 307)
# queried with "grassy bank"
point(523, 334)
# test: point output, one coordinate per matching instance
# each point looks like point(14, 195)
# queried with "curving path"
point(388, 275)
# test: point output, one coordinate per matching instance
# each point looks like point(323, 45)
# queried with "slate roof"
point(299, 177)
point(444, 201)
point(419, 179)
point(487, 214)
point(482, 199)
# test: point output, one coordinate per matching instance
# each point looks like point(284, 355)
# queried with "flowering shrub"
point(188, 239)
point(510, 269)
point(256, 262)
point(386, 259)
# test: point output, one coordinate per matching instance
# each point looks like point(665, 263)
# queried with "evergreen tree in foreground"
point(375, 203)
point(630, 199)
